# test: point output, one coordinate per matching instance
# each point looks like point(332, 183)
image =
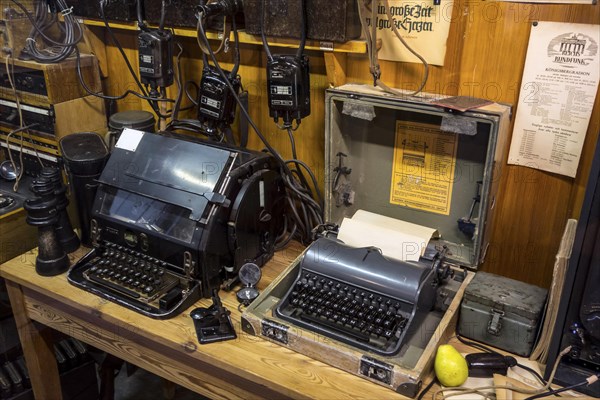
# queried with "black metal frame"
point(586, 248)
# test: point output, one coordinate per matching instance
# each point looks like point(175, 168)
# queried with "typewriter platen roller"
point(359, 297)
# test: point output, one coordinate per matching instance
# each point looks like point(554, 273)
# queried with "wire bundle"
point(22, 128)
point(371, 39)
point(303, 198)
point(543, 391)
point(152, 100)
point(41, 23)
point(222, 131)
point(299, 52)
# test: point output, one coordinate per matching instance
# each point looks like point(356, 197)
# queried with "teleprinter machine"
point(173, 218)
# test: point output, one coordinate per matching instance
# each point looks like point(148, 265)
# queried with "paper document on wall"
point(395, 238)
point(560, 82)
point(422, 24)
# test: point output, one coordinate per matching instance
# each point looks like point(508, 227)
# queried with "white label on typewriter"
point(129, 139)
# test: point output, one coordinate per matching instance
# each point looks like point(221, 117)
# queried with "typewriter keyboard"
point(130, 273)
point(344, 312)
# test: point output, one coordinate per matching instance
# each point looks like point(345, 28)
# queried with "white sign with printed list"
point(559, 85)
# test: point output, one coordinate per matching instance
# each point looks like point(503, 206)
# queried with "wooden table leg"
point(38, 350)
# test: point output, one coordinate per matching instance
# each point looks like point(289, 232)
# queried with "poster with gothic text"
point(424, 25)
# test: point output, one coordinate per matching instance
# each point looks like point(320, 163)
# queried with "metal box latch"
point(495, 324)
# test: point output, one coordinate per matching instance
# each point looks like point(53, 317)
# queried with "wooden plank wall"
point(485, 56)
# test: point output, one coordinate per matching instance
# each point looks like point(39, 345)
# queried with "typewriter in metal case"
point(359, 297)
point(412, 159)
point(173, 219)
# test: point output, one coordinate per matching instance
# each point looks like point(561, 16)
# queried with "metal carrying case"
point(335, 21)
point(502, 312)
point(409, 158)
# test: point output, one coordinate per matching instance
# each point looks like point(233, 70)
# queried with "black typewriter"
point(136, 280)
point(359, 297)
point(175, 218)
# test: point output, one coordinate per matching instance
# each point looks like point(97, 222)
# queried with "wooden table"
point(245, 368)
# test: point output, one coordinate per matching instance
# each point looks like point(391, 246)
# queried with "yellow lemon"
point(450, 366)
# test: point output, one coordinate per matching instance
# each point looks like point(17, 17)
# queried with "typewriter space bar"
point(336, 327)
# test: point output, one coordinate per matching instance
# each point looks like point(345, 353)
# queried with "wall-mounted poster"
point(558, 89)
point(422, 24)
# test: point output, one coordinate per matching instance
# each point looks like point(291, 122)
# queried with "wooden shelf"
point(353, 46)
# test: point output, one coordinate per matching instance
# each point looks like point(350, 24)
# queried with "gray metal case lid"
point(510, 295)
point(365, 141)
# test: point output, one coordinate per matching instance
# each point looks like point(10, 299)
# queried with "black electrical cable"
point(557, 391)
point(236, 55)
point(305, 233)
point(117, 43)
point(219, 126)
point(205, 51)
point(303, 28)
point(532, 372)
point(299, 52)
point(105, 97)
point(70, 30)
point(478, 346)
point(426, 389)
point(486, 349)
point(228, 135)
point(163, 14)
point(175, 112)
point(410, 49)
point(283, 232)
point(244, 111)
point(295, 157)
point(371, 39)
point(140, 14)
point(312, 177)
point(10, 156)
point(302, 33)
point(263, 36)
point(282, 243)
point(190, 125)
point(187, 93)
point(41, 31)
point(302, 196)
point(58, 50)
